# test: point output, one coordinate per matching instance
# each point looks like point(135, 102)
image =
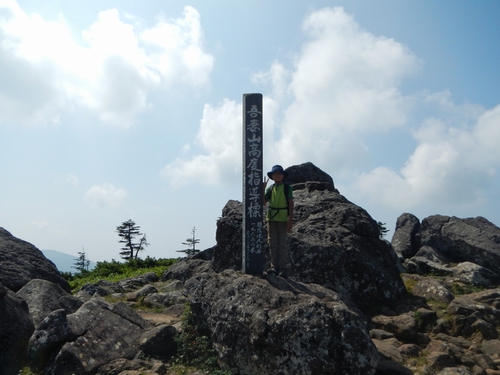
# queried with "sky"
point(118, 110)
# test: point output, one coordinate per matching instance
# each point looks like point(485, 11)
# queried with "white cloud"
point(105, 195)
point(110, 70)
point(451, 167)
point(342, 87)
point(220, 136)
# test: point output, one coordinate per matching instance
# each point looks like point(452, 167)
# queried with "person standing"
point(279, 219)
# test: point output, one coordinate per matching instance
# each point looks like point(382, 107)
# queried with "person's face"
point(277, 176)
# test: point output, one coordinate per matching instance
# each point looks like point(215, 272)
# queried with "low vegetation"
point(115, 271)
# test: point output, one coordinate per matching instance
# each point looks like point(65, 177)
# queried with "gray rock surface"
point(404, 240)
point(472, 239)
point(16, 328)
point(100, 332)
point(43, 297)
point(21, 262)
point(261, 325)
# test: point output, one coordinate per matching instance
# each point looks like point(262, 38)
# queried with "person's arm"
point(264, 185)
point(289, 222)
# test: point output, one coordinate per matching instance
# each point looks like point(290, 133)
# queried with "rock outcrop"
point(21, 262)
point(43, 297)
point(261, 325)
point(464, 250)
point(16, 328)
point(334, 243)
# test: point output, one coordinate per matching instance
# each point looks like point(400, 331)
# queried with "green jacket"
point(278, 202)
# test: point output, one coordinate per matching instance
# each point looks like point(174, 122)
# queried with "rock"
point(454, 371)
point(491, 347)
point(21, 262)
point(159, 342)
point(474, 313)
point(50, 335)
point(261, 325)
point(404, 241)
point(308, 172)
point(99, 289)
point(143, 292)
point(472, 239)
point(432, 290)
point(388, 349)
point(380, 334)
point(431, 261)
point(43, 297)
point(185, 268)
point(133, 283)
point(165, 299)
point(392, 368)
point(228, 251)
point(473, 274)
point(16, 328)
point(103, 332)
point(334, 243)
point(403, 326)
point(410, 350)
point(438, 360)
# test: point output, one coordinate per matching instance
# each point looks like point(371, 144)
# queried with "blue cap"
point(277, 168)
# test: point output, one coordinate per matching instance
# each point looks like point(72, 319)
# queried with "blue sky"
point(117, 110)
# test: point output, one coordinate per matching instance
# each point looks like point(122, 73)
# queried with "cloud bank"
point(108, 69)
point(344, 88)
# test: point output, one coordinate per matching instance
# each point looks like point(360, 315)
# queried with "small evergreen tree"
point(191, 242)
point(82, 263)
point(382, 230)
point(127, 232)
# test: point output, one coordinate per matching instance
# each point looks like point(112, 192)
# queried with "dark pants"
point(277, 239)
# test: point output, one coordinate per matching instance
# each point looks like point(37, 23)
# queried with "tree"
point(191, 242)
point(127, 232)
point(382, 230)
point(82, 263)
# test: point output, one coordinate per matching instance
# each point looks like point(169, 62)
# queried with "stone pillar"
point(253, 196)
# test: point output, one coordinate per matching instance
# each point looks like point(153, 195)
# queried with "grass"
point(116, 271)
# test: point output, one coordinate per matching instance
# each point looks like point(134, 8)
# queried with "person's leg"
point(273, 240)
point(282, 250)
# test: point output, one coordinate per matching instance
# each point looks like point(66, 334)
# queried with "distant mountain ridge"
point(63, 261)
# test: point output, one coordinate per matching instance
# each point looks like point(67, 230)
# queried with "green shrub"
point(115, 271)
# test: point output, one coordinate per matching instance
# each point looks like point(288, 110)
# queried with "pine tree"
point(81, 263)
point(382, 230)
point(191, 242)
point(127, 232)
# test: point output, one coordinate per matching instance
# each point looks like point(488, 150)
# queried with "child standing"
point(279, 219)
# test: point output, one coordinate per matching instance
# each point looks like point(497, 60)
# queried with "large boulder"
point(308, 172)
point(43, 297)
point(16, 328)
point(474, 240)
point(271, 325)
point(21, 262)
point(404, 240)
point(96, 334)
point(334, 243)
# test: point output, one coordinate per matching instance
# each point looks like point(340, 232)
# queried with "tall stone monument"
point(253, 195)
